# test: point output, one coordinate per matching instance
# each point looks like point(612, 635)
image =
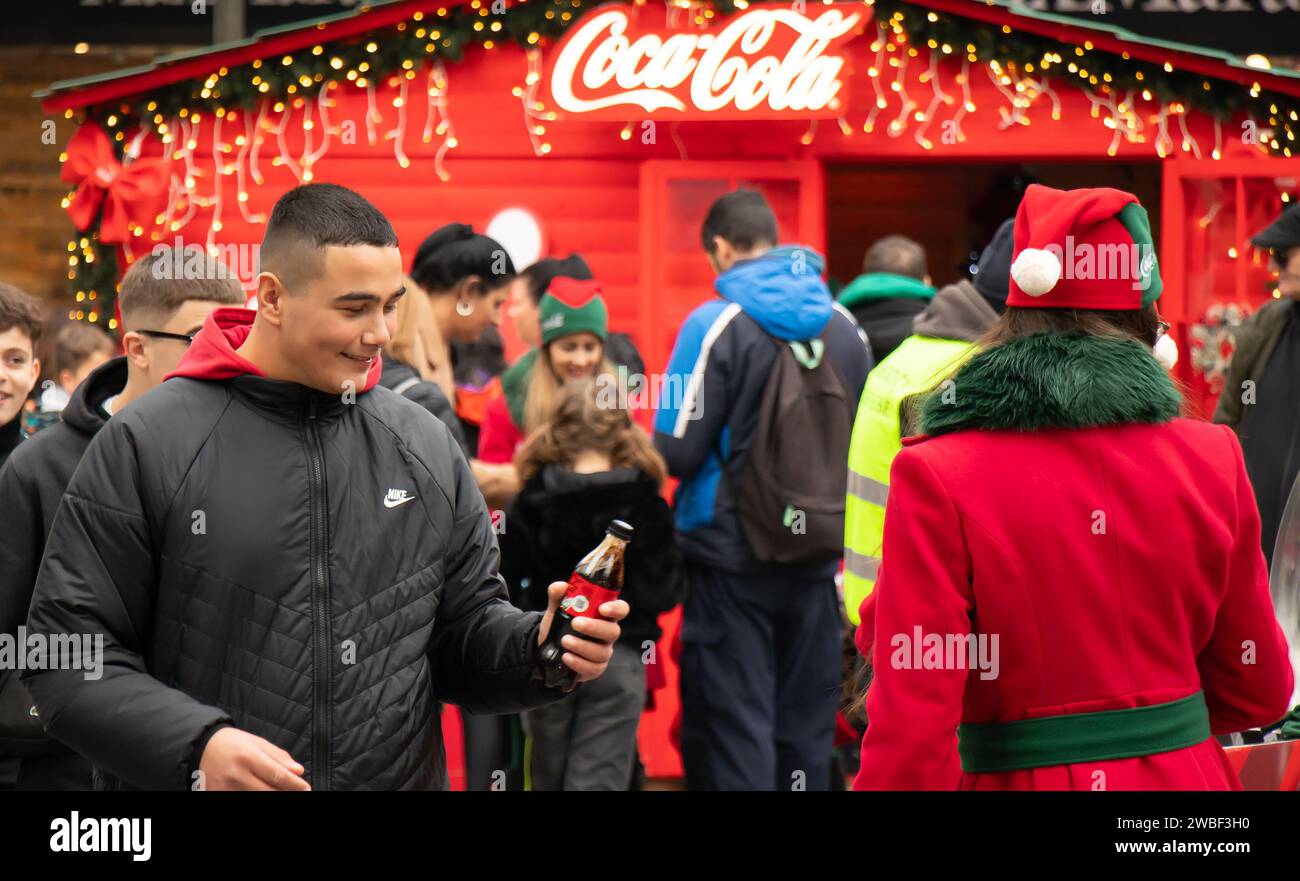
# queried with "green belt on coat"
point(1083, 737)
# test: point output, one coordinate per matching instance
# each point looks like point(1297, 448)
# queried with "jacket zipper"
point(320, 608)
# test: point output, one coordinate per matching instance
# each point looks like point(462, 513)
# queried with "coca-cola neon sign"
point(767, 62)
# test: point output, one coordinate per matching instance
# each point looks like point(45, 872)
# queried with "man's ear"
point(270, 297)
point(133, 348)
point(722, 254)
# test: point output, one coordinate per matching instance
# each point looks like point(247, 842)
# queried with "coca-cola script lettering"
point(766, 62)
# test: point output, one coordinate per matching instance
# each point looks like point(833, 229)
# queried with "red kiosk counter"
point(611, 127)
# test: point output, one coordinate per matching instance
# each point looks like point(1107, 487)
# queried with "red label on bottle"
point(583, 598)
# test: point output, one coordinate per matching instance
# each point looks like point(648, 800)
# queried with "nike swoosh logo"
point(390, 503)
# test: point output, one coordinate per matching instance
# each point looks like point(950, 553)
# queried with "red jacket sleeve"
point(924, 583)
point(1245, 670)
point(498, 436)
point(865, 635)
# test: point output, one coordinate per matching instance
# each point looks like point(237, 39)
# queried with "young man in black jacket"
point(160, 315)
point(290, 566)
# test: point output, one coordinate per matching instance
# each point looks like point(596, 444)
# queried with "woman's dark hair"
point(454, 252)
point(540, 275)
point(1141, 324)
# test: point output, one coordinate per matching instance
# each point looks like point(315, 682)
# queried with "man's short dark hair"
point(898, 255)
point(161, 281)
point(311, 217)
point(742, 218)
point(21, 310)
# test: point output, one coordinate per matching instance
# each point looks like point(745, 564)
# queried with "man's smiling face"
point(336, 325)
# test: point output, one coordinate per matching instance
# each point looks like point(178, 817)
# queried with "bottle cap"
point(621, 530)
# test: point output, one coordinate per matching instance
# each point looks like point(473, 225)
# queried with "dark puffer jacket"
point(256, 553)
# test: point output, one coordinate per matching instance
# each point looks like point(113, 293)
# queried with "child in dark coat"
point(589, 465)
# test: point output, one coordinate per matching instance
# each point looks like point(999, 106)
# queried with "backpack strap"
point(406, 385)
point(808, 353)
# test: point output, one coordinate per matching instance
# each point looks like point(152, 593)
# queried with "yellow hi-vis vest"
point(917, 364)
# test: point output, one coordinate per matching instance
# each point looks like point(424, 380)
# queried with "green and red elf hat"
point(1083, 249)
point(572, 306)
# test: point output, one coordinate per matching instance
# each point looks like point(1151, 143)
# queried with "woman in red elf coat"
point(1072, 593)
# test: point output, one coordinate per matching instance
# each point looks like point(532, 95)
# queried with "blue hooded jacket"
point(719, 368)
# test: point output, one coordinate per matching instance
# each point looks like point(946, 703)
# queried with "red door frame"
point(655, 174)
point(1173, 242)
point(1174, 305)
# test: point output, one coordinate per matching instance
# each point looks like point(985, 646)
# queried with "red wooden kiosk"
point(614, 126)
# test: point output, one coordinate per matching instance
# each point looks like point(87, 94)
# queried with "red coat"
point(1149, 610)
point(498, 437)
point(1118, 566)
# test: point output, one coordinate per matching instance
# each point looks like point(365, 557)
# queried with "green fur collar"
point(1053, 380)
point(514, 382)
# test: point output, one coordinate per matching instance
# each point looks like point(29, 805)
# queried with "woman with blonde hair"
point(573, 319)
point(587, 465)
point(409, 360)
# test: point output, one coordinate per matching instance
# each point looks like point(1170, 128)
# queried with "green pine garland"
point(992, 43)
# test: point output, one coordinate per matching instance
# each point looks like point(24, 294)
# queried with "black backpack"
point(790, 490)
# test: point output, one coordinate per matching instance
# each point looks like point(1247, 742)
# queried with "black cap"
point(621, 530)
point(1281, 233)
point(993, 273)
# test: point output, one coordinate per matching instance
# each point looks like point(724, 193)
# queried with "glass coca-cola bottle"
point(597, 579)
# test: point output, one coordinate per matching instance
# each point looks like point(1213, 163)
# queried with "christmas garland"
point(444, 34)
point(1100, 70)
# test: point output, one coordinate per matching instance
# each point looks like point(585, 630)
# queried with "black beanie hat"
point(1282, 233)
point(993, 273)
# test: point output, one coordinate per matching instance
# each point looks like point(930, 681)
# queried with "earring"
point(464, 309)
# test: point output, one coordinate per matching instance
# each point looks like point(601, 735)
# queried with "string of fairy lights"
point(246, 106)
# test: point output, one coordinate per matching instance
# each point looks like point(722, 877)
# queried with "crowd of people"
point(953, 538)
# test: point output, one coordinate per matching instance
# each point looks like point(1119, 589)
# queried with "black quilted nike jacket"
point(259, 554)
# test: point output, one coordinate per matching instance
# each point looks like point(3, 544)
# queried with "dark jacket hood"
point(214, 353)
point(957, 312)
point(882, 285)
point(85, 409)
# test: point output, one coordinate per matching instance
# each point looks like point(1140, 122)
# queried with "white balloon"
point(520, 233)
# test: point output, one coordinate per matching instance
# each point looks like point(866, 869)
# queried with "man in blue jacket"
point(760, 665)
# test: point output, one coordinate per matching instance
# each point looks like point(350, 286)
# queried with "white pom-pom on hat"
point(1036, 271)
point(1166, 352)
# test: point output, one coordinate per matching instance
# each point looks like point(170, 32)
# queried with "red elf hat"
point(1083, 249)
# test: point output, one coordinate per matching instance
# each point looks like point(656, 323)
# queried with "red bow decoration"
point(134, 193)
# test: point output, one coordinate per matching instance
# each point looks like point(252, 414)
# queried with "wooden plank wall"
point(33, 248)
